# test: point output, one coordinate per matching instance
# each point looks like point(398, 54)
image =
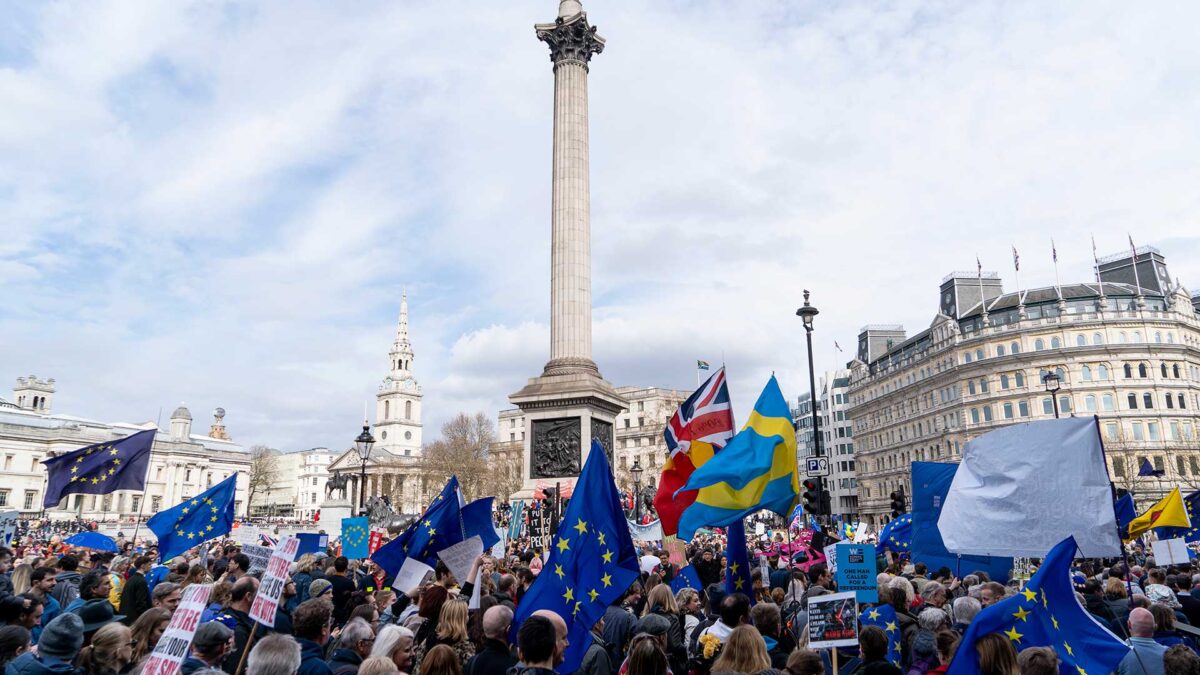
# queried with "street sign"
point(817, 466)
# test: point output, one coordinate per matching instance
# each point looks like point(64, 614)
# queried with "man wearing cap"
point(95, 614)
point(59, 645)
point(212, 644)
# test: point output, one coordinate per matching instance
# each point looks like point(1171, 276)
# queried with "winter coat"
point(344, 661)
point(312, 659)
point(28, 664)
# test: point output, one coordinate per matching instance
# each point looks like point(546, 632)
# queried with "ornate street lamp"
point(807, 313)
point(363, 444)
point(1053, 384)
point(637, 470)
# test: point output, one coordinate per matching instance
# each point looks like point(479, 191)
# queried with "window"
point(1139, 434)
point(1015, 348)
point(1163, 368)
point(1047, 406)
point(1175, 435)
point(1133, 401)
point(1097, 339)
point(1158, 463)
point(970, 386)
point(387, 410)
point(1110, 431)
point(1180, 399)
point(314, 498)
point(641, 406)
point(1137, 337)
point(978, 354)
point(1039, 344)
point(1118, 466)
point(1020, 379)
point(1128, 371)
point(974, 415)
point(1170, 401)
point(137, 503)
point(408, 410)
point(187, 476)
point(314, 481)
point(1089, 403)
point(1062, 375)
point(1008, 411)
point(999, 350)
point(987, 413)
point(1147, 400)
point(1086, 373)
point(1158, 337)
point(1003, 381)
point(983, 385)
point(1064, 404)
point(1080, 341)
point(1055, 343)
point(1175, 371)
point(1023, 408)
point(3, 497)
point(1142, 370)
point(1107, 402)
point(1195, 464)
point(156, 504)
point(29, 497)
point(1102, 371)
point(1121, 337)
point(1180, 465)
point(967, 357)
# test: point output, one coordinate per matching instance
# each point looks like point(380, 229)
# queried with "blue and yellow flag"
point(438, 528)
point(99, 469)
point(884, 616)
point(756, 470)
point(737, 570)
point(1045, 614)
point(356, 537)
point(592, 561)
point(194, 521)
point(897, 535)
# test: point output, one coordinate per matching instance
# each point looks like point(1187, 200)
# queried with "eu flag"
point(1192, 504)
point(737, 571)
point(193, 521)
point(1046, 614)
point(356, 535)
point(439, 527)
point(477, 520)
point(1147, 470)
point(1126, 511)
point(884, 616)
point(686, 577)
point(591, 563)
point(100, 468)
point(897, 535)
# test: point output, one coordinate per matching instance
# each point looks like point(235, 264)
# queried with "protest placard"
point(831, 557)
point(498, 547)
point(172, 647)
point(832, 620)
point(273, 581)
point(860, 533)
point(247, 534)
point(1170, 551)
point(461, 556)
point(8, 526)
point(856, 571)
point(375, 542)
point(259, 557)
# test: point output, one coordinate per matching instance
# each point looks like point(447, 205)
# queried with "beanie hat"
point(62, 638)
point(319, 587)
point(652, 624)
point(210, 635)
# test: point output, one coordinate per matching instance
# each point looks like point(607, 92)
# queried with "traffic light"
point(898, 506)
point(811, 495)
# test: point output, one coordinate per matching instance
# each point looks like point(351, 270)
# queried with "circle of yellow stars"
point(1021, 617)
point(892, 631)
point(564, 547)
point(355, 535)
point(107, 469)
point(198, 506)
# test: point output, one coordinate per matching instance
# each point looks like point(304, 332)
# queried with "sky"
point(220, 203)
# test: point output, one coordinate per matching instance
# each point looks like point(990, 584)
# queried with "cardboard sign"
point(860, 533)
point(832, 620)
point(8, 526)
point(411, 574)
point(259, 557)
point(1170, 551)
point(461, 556)
point(172, 647)
point(247, 534)
point(856, 571)
point(831, 558)
point(273, 581)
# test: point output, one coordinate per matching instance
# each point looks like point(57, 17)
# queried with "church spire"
point(401, 355)
point(402, 326)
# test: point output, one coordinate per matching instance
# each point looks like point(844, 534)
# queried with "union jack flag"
point(702, 425)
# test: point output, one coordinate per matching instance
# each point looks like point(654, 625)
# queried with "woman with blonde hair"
point(146, 631)
point(451, 632)
point(20, 578)
point(109, 652)
point(395, 643)
point(690, 608)
point(377, 665)
point(660, 601)
point(745, 651)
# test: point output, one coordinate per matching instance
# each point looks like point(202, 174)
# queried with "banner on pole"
point(266, 602)
point(172, 647)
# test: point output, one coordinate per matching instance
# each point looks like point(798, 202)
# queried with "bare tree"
point(264, 469)
point(462, 451)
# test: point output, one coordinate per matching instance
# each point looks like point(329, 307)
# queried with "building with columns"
point(182, 463)
point(1125, 348)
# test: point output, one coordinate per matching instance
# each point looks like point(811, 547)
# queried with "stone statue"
point(338, 483)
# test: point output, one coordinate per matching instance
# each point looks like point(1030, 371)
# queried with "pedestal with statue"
point(336, 504)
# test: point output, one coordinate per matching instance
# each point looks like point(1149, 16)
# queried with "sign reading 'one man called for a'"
point(856, 571)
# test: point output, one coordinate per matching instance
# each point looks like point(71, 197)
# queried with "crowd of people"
point(70, 611)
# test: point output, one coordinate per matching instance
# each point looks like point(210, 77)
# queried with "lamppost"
point(1053, 384)
point(363, 444)
point(636, 470)
point(807, 313)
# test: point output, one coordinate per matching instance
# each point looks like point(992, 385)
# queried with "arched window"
point(1182, 405)
point(1064, 403)
point(1142, 370)
point(1133, 401)
point(1170, 338)
point(999, 350)
point(1097, 339)
point(1175, 370)
point(408, 410)
point(1023, 408)
point(967, 357)
point(1137, 336)
point(1121, 337)
point(1055, 343)
point(1089, 402)
point(974, 415)
point(1039, 344)
point(1157, 337)
point(1128, 371)
point(983, 385)
point(1080, 340)
point(1062, 374)
point(1169, 401)
point(1020, 379)
point(1003, 380)
point(387, 410)
point(1047, 406)
point(1008, 411)
point(1015, 348)
point(987, 413)
point(1086, 373)
point(1107, 402)
point(978, 354)
point(1147, 400)
point(1163, 368)
point(1102, 371)
point(970, 386)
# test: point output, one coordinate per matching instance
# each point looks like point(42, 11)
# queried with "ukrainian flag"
point(756, 470)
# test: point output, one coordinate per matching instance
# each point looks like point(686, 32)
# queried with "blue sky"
point(219, 203)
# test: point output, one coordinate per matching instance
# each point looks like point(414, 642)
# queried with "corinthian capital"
point(571, 39)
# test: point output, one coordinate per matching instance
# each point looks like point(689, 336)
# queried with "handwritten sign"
point(831, 557)
point(461, 556)
point(856, 571)
point(275, 578)
point(259, 557)
point(832, 620)
point(172, 647)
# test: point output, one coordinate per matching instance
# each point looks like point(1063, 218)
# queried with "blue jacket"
point(50, 610)
point(1146, 652)
point(28, 664)
point(312, 659)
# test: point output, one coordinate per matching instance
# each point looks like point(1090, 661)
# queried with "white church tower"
point(398, 403)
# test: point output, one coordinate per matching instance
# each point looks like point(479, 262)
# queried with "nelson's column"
point(569, 404)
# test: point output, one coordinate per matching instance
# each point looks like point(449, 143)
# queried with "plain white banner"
point(1022, 489)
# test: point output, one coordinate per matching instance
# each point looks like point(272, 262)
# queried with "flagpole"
point(1057, 280)
point(1112, 488)
point(137, 524)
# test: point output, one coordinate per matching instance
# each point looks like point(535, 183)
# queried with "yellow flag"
point(1168, 512)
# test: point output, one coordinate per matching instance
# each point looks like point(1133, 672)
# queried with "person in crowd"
point(991, 593)
point(21, 610)
point(619, 620)
point(343, 586)
point(19, 578)
point(804, 662)
point(1182, 585)
point(135, 597)
point(441, 660)
point(645, 658)
point(506, 591)
point(310, 624)
point(429, 608)
point(385, 599)
point(769, 621)
point(62, 640)
point(109, 651)
point(211, 644)
point(451, 631)
point(197, 574)
point(525, 579)
point(744, 651)
point(321, 589)
point(495, 658)
point(690, 610)
point(818, 577)
point(147, 630)
point(396, 643)
point(1037, 661)
point(900, 597)
point(734, 612)
point(96, 614)
point(650, 627)
point(1093, 596)
point(283, 611)
point(934, 594)
point(963, 611)
point(166, 595)
point(302, 578)
point(6, 584)
point(595, 659)
point(378, 665)
point(218, 597)
point(357, 639)
point(274, 655)
point(68, 578)
point(947, 644)
point(1180, 660)
point(707, 567)
point(236, 615)
point(1116, 596)
point(541, 644)
point(930, 622)
point(997, 656)
point(661, 601)
point(95, 585)
point(14, 641)
point(1164, 628)
point(42, 582)
point(116, 578)
point(873, 649)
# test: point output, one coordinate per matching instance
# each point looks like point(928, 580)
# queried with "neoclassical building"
point(1125, 348)
point(182, 463)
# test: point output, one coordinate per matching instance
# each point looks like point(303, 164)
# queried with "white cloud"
point(220, 204)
